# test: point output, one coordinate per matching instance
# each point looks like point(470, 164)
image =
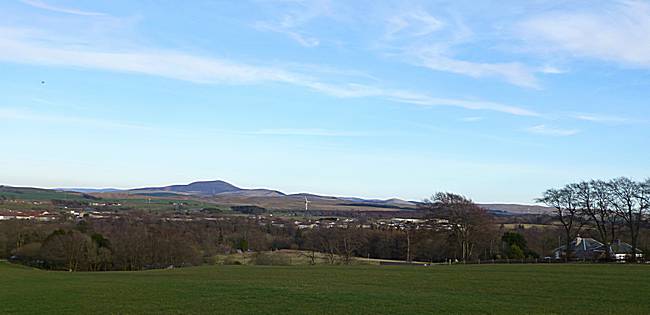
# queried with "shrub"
point(516, 252)
point(28, 252)
point(248, 209)
point(231, 260)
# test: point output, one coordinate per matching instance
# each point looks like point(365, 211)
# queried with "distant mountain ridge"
point(89, 190)
point(203, 188)
point(225, 192)
point(517, 208)
point(222, 190)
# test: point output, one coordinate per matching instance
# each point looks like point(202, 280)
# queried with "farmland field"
point(621, 289)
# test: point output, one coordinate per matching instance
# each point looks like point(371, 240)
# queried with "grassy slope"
point(46, 195)
point(35, 194)
point(331, 289)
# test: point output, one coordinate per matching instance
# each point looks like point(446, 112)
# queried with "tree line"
point(611, 208)
point(606, 210)
point(145, 241)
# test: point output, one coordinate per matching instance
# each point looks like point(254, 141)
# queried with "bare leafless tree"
point(467, 219)
point(407, 230)
point(348, 242)
point(70, 249)
point(311, 245)
point(325, 238)
point(631, 203)
point(566, 203)
point(596, 203)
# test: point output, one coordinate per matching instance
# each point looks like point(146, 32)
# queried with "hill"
point(205, 188)
point(517, 209)
point(226, 194)
point(36, 194)
point(89, 190)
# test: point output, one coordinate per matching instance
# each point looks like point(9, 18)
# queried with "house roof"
point(618, 247)
point(591, 246)
point(582, 245)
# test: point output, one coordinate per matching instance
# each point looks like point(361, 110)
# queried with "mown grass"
point(496, 289)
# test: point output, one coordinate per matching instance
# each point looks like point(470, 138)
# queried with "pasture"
point(360, 289)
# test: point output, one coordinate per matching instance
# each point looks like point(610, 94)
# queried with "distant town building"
point(27, 215)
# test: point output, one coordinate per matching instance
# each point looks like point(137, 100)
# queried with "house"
point(7, 216)
point(591, 249)
point(27, 215)
point(620, 250)
point(581, 248)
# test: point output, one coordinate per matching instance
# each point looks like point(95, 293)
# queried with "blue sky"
point(348, 98)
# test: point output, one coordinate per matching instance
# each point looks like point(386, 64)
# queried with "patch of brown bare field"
point(135, 196)
point(290, 203)
point(295, 203)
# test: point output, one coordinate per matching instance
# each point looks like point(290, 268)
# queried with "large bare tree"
point(566, 204)
point(596, 203)
point(631, 203)
point(349, 240)
point(468, 221)
point(326, 241)
point(69, 249)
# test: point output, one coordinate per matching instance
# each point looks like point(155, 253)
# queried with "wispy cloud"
point(302, 39)
point(29, 47)
point(606, 119)
point(548, 69)
point(455, 132)
point(619, 33)
point(426, 41)
point(422, 99)
point(512, 72)
point(416, 98)
point(312, 132)
point(411, 24)
point(472, 119)
point(292, 21)
point(13, 114)
point(45, 6)
point(552, 131)
point(8, 114)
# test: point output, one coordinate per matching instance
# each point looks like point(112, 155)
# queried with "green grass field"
point(497, 289)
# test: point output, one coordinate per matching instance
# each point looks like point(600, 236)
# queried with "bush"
point(211, 210)
point(516, 252)
point(28, 252)
point(248, 209)
point(232, 260)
